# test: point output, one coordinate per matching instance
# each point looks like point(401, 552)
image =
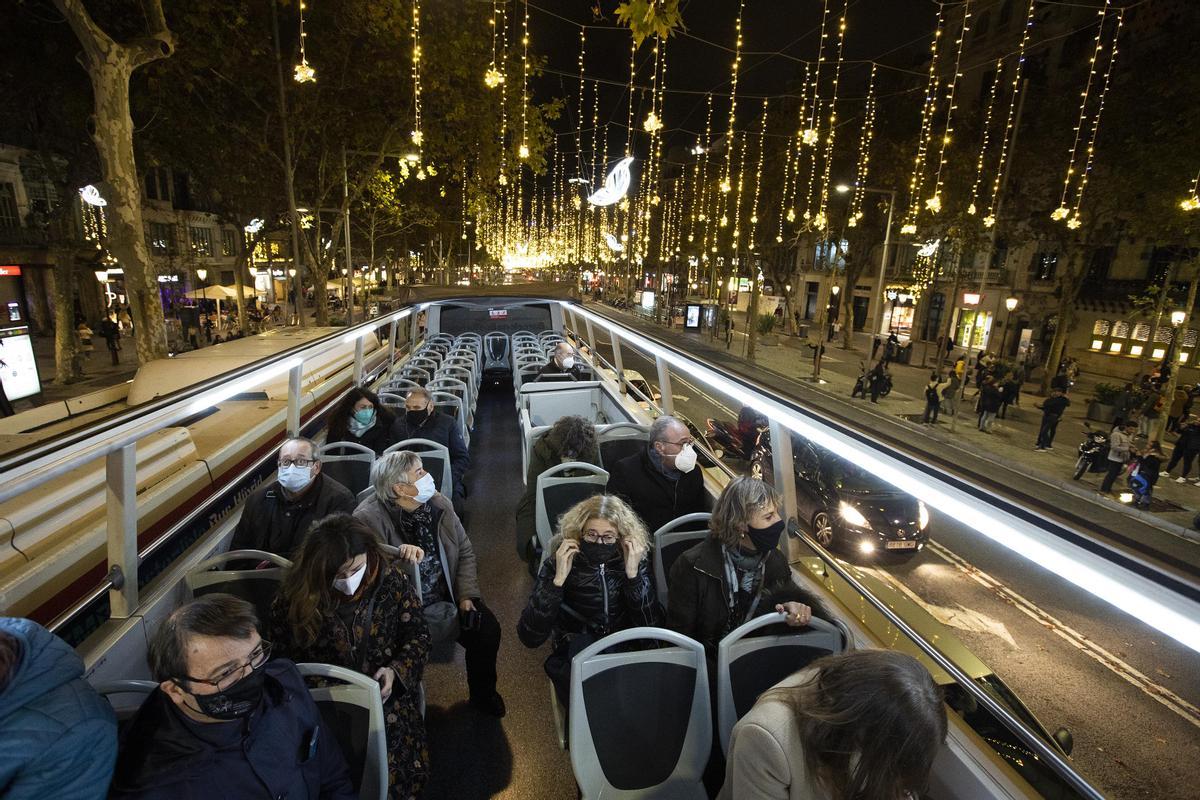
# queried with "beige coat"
point(766, 761)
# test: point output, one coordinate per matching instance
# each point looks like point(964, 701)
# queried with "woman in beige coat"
point(864, 725)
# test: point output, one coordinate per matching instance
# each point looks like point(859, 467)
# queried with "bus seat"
point(561, 487)
point(671, 541)
point(255, 586)
point(347, 463)
point(353, 712)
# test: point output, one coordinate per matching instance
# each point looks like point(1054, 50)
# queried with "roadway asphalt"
point(1128, 694)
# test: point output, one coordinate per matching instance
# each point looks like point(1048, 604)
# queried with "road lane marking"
point(1111, 661)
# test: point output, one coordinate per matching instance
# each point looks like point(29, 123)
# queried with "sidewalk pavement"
point(1009, 446)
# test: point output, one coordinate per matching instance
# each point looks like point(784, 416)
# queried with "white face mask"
point(568, 362)
point(686, 460)
point(426, 488)
point(348, 586)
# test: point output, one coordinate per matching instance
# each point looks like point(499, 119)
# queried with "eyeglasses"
point(683, 443)
point(296, 462)
point(258, 656)
point(593, 538)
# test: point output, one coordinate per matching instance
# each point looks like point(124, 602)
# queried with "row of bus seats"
point(350, 464)
point(640, 721)
point(530, 353)
point(350, 702)
point(450, 368)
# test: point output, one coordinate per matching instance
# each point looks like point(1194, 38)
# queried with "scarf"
point(743, 573)
point(656, 459)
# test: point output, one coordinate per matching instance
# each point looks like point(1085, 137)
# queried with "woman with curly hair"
point(345, 602)
point(596, 582)
point(864, 725)
point(360, 419)
point(572, 438)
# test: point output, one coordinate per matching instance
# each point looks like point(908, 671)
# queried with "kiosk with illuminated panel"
point(18, 367)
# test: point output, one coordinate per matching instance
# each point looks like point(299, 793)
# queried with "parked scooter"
point(1093, 453)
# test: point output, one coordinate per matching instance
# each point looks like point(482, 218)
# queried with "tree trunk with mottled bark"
point(63, 287)
point(1068, 292)
point(110, 65)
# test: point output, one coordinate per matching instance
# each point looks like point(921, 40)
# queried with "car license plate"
point(900, 545)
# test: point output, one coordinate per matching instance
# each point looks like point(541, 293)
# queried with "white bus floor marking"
point(1111, 661)
point(958, 616)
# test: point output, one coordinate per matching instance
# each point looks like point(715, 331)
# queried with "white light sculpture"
point(929, 248)
point(255, 226)
point(91, 195)
point(613, 244)
point(615, 185)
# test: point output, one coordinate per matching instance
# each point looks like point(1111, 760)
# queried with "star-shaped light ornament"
point(418, 138)
point(1060, 213)
point(989, 221)
point(791, 215)
point(809, 136)
point(304, 73)
point(726, 186)
point(908, 228)
point(493, 77)
point(652, 124)
point(971, 209)
point(1074, 222)
point(934, 203)
point(523, 152)
point(1190, 203)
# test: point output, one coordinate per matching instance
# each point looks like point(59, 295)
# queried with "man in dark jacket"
point(989, 403)
point(422, 421)
point(661, 482)
point(224, 721)
point(1052, 410)
point(278, 514)
point(564, 362)
point(58, 738)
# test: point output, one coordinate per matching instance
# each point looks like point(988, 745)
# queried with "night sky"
point(777, 34)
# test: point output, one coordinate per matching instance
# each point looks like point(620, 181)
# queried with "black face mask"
point(598, 553)
point(416, 418)
point(235, 702)
point(766, 539)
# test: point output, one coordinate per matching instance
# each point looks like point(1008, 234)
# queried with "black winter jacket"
point(277, 525)
point(989, 398)
point(698, 600)
point(600, 598)
point(285, 751)
point(444, 430)
point(547, 453)
point(656, 498)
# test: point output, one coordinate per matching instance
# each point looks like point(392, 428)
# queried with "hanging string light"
point(523, 151)
point(762, 141)
point(700, 175)
point(1010, 121)
point(493, 77)
point(737, 62)
point(740, 193)
point(821, 221)
point(809, 134)
point(985, 139)
point(503, 179)
point(303, 72)
point(783, 192)
point(934, 203)
point(580, 104)
point(1074, 221)
point(1192, 201)
point(917, 179)
point(629, 113)
point(862, 168)
point(792, 188)
point(418, 136)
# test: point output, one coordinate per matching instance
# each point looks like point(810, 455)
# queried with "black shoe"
point(492, 706)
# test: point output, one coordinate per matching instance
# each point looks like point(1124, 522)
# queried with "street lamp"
point(1011, 304)
point(202, 273)
point(842, 188)
point(1177, 318)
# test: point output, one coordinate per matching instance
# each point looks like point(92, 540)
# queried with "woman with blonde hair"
point(863, 725)
point(595, 581)
point(737, 573)
point(344, 602)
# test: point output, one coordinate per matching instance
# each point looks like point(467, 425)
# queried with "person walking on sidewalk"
point(989, 403)
point(1120, 444)
point(879, 380)
point(1186, 448)
point(1010, 393)
point(933, 399)
point(950, 394)
point(1052, 410)
point(111, 332)
point(1176, 412)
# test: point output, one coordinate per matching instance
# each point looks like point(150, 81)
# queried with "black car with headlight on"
point(847, 508)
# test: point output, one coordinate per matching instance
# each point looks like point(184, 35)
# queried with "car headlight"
point(922, 516)
point(853, 516)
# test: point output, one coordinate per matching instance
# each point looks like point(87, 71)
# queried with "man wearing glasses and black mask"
point(277, 514)
point(661, 482)
point(225, 721)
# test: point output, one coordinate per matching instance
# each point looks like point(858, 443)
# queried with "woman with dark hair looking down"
point(863, 725)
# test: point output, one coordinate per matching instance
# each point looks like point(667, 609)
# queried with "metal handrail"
point(1034, 741)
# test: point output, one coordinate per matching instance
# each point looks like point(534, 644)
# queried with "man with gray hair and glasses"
point(661, 482)
point(226, 721)
point(278, 514)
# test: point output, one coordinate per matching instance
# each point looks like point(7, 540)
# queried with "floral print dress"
point(399, 638)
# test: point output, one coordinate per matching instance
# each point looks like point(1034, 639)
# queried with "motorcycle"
point(1093, 453)
point(862, 386)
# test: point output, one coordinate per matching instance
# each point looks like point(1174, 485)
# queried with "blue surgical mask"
point(361, 421)
point(295, 479)
point(365, 415)
point(426, 488)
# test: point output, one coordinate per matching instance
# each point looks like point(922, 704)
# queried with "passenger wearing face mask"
point(565, 362)
point(225, 721)
point(344, 602)
point(738, 572)
point(278, 513)
point(360, 419)
point(595, 582)
point(422, 421)
point(407, 512)
point(661, 482)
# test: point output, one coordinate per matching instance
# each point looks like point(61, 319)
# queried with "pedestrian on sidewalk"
point(933, 399)
point(880, 378)
point(728, 330)
point(1052, 410)
point(1010, 393)
point(1120, 444)
point(960, 367)
point(111, 332)
point(1176, 412)
point(950, 395)
point(989, 403)
point(83, 346)
point(1144, 474)
point(891, 348)
point(1186, 448)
